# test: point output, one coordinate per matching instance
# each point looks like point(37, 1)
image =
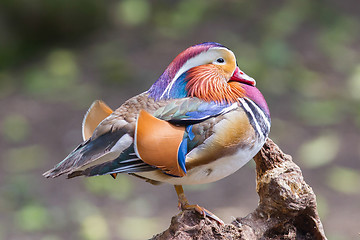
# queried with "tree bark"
point(287, 207)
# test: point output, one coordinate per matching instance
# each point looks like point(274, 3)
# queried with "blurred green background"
point(57, 56)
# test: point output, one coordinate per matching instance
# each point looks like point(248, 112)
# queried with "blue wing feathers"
point(189, 132)
point(184, 147)
point(183, 150)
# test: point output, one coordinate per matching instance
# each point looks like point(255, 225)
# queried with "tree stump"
point(287, 207)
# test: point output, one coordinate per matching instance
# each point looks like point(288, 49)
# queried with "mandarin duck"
point(201, 121)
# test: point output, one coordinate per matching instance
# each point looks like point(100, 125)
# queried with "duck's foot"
point(202, 211)
point(184, 205)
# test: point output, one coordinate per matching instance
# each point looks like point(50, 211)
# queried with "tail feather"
point(125, 163)
point(91, 151)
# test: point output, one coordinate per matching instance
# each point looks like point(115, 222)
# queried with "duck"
point(202, 120)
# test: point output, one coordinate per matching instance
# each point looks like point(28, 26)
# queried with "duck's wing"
point(114, 143)
point(154, 141)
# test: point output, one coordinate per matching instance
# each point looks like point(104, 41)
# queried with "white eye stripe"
point(202, 58)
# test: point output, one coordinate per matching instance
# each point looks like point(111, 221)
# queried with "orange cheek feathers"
point(208, 83)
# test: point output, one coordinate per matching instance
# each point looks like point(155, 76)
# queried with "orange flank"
point(114, 175)
point(157, 143)
point(234, 133)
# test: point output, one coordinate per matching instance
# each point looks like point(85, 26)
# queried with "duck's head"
point(207, 71)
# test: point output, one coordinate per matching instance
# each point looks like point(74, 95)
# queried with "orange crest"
point(208, 83)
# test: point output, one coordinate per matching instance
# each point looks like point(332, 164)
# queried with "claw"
point(184, 205)
point(213, 216)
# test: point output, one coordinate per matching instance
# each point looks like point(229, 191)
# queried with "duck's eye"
point(220, 60)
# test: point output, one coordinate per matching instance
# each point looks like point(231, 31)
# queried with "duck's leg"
point(184, 205)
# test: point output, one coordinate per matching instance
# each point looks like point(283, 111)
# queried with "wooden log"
point(287, 207)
